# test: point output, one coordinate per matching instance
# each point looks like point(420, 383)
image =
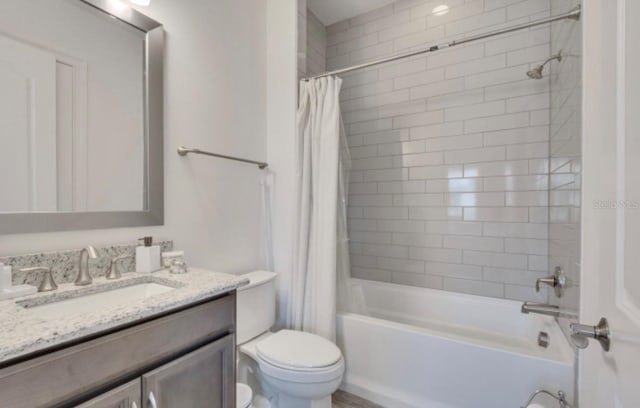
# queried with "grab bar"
point(183, 151)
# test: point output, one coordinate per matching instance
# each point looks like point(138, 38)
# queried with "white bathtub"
point(422, 348)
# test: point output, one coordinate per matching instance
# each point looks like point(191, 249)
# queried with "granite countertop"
point(24, 331)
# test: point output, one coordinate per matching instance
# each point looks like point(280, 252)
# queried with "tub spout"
point(549, 310)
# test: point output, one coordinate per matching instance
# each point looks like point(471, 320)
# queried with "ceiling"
point(333, 11)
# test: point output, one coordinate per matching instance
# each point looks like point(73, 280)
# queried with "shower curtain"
point(320, 253)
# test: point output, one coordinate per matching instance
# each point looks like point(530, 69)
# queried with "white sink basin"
point(97, 301)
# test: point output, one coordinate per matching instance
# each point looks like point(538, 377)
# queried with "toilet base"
point(286, 401)
point(261, 402)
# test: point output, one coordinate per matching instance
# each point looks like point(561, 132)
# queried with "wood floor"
point(343, 399)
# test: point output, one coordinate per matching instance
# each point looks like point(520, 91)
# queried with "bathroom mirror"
point(81, 120)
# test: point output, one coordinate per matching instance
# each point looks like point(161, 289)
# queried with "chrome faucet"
point(84, 277)
point(538, 308)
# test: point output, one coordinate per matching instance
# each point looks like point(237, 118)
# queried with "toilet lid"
point(244, 395)
point(298, 350)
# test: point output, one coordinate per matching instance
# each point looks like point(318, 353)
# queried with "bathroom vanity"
point(169, 349)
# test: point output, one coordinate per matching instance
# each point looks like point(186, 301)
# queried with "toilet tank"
point(256, 305)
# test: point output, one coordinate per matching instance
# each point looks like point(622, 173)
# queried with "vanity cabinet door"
point(128, 395)
point(204, 378)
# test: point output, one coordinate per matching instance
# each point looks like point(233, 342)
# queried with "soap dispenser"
point(5, 277)
point(147, 256)
point(10, 291)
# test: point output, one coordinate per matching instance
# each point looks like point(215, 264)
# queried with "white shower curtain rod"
point(571, 15)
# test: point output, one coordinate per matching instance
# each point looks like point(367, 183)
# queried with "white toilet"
point(302, 370)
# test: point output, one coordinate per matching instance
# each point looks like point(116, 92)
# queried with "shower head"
point(536, 73)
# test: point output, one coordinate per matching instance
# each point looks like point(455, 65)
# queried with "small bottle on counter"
point(169, 257)
point(178, 267)
point(147, 256)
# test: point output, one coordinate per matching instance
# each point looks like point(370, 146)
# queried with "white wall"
point(215, 99)
point(282, 87)
point(449, 179)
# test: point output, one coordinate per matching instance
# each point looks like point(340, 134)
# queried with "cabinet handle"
point(152, 400)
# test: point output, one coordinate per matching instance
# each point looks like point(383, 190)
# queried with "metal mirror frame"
point(153, 214)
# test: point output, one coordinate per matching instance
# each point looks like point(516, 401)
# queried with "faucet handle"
point(558, 281)
point(551, 281)
point(113, 272)
point(47, 284)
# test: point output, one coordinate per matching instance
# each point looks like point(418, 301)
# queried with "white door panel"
point(611, 214)
point(27, 127)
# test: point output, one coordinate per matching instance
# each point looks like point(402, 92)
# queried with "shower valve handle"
point(558, 281)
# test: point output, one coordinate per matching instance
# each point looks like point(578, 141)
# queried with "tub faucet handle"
point(558, 281)
point(551, 281)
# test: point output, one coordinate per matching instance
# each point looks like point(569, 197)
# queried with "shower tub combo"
point(410, 347)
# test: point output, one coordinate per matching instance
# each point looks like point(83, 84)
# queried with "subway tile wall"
point(449, 187)
point(566, 154)
point(302, 38)
point(316, 50)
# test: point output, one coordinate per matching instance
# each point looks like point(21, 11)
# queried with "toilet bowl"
point(300, 365)
point(302, 369)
